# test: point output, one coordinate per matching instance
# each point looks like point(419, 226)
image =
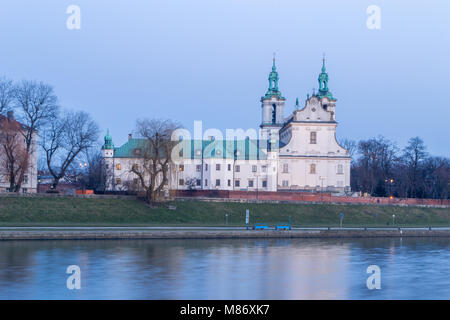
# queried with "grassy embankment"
point(49, 211)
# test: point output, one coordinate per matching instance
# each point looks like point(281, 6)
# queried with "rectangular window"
point(229, 182)
point(118, 166)
point(229, 167)
point(340, 169)
point(198, 167)
point(206, 182)
point(237, 183)
point(24, 190)
point(313, 137)
point(118, 181)
point(135, 167)
point(217, 166)
point(181, 182)
point(285, 183)
point(264, 183)
point(181, 167)
point(250, 183)
point(199, 182)
point(217, 182)
point(238, 169)
point(285, 168)
point(206, 167)
point(312, 168)
point(264, 168)
point(25, 179)
point(254, 168)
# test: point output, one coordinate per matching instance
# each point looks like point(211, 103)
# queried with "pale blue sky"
point(209, 60)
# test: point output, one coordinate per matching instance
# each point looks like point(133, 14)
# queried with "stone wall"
point(305, 197)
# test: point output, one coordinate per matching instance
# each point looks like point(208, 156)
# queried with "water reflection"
point(412, 268)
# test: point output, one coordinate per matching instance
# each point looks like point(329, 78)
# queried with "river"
point(410, 268)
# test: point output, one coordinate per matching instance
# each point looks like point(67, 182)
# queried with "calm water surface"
point(411, 268)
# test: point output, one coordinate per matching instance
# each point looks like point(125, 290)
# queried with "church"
point(297, 153)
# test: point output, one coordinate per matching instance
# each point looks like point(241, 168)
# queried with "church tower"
point(108, 162)
point(108, 147)
point(326, 97)
point(272, 109)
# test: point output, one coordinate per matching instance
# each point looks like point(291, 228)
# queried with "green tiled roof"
point(193, 149)
point(127, 150)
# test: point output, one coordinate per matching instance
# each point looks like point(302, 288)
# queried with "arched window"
point(274, 113)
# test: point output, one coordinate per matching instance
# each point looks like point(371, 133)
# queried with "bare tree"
point(437, 177)
point(14, 156)
point(375, 164)
point(156, 156)
point(93, 175)
point(65, 139)
point(37, 104)
point(414, 154)
point(6, 94)
point(350, 145)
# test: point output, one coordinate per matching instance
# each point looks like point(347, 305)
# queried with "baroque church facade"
point(299, 152)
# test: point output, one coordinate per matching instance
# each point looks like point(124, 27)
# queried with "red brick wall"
point(64, 188)
point(304, 196)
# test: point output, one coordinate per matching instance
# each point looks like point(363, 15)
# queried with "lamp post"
point(393, 219)
point(390, 182)
point(321, 191)
point(178, 170)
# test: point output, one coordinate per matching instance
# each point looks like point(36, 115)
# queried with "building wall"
point(30, 183)
point(205, 170)
point(311, 158)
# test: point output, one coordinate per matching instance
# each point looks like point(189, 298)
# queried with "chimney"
point(130, 136)
point(10, 115)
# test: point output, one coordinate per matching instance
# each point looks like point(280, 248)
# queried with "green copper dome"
point(108, 142)
point(323, 84)
point(273, 83)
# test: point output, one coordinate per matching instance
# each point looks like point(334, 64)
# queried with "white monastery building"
point(299, 152)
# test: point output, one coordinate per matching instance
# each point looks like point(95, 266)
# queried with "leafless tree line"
point(31, 109)
point(381, 168)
